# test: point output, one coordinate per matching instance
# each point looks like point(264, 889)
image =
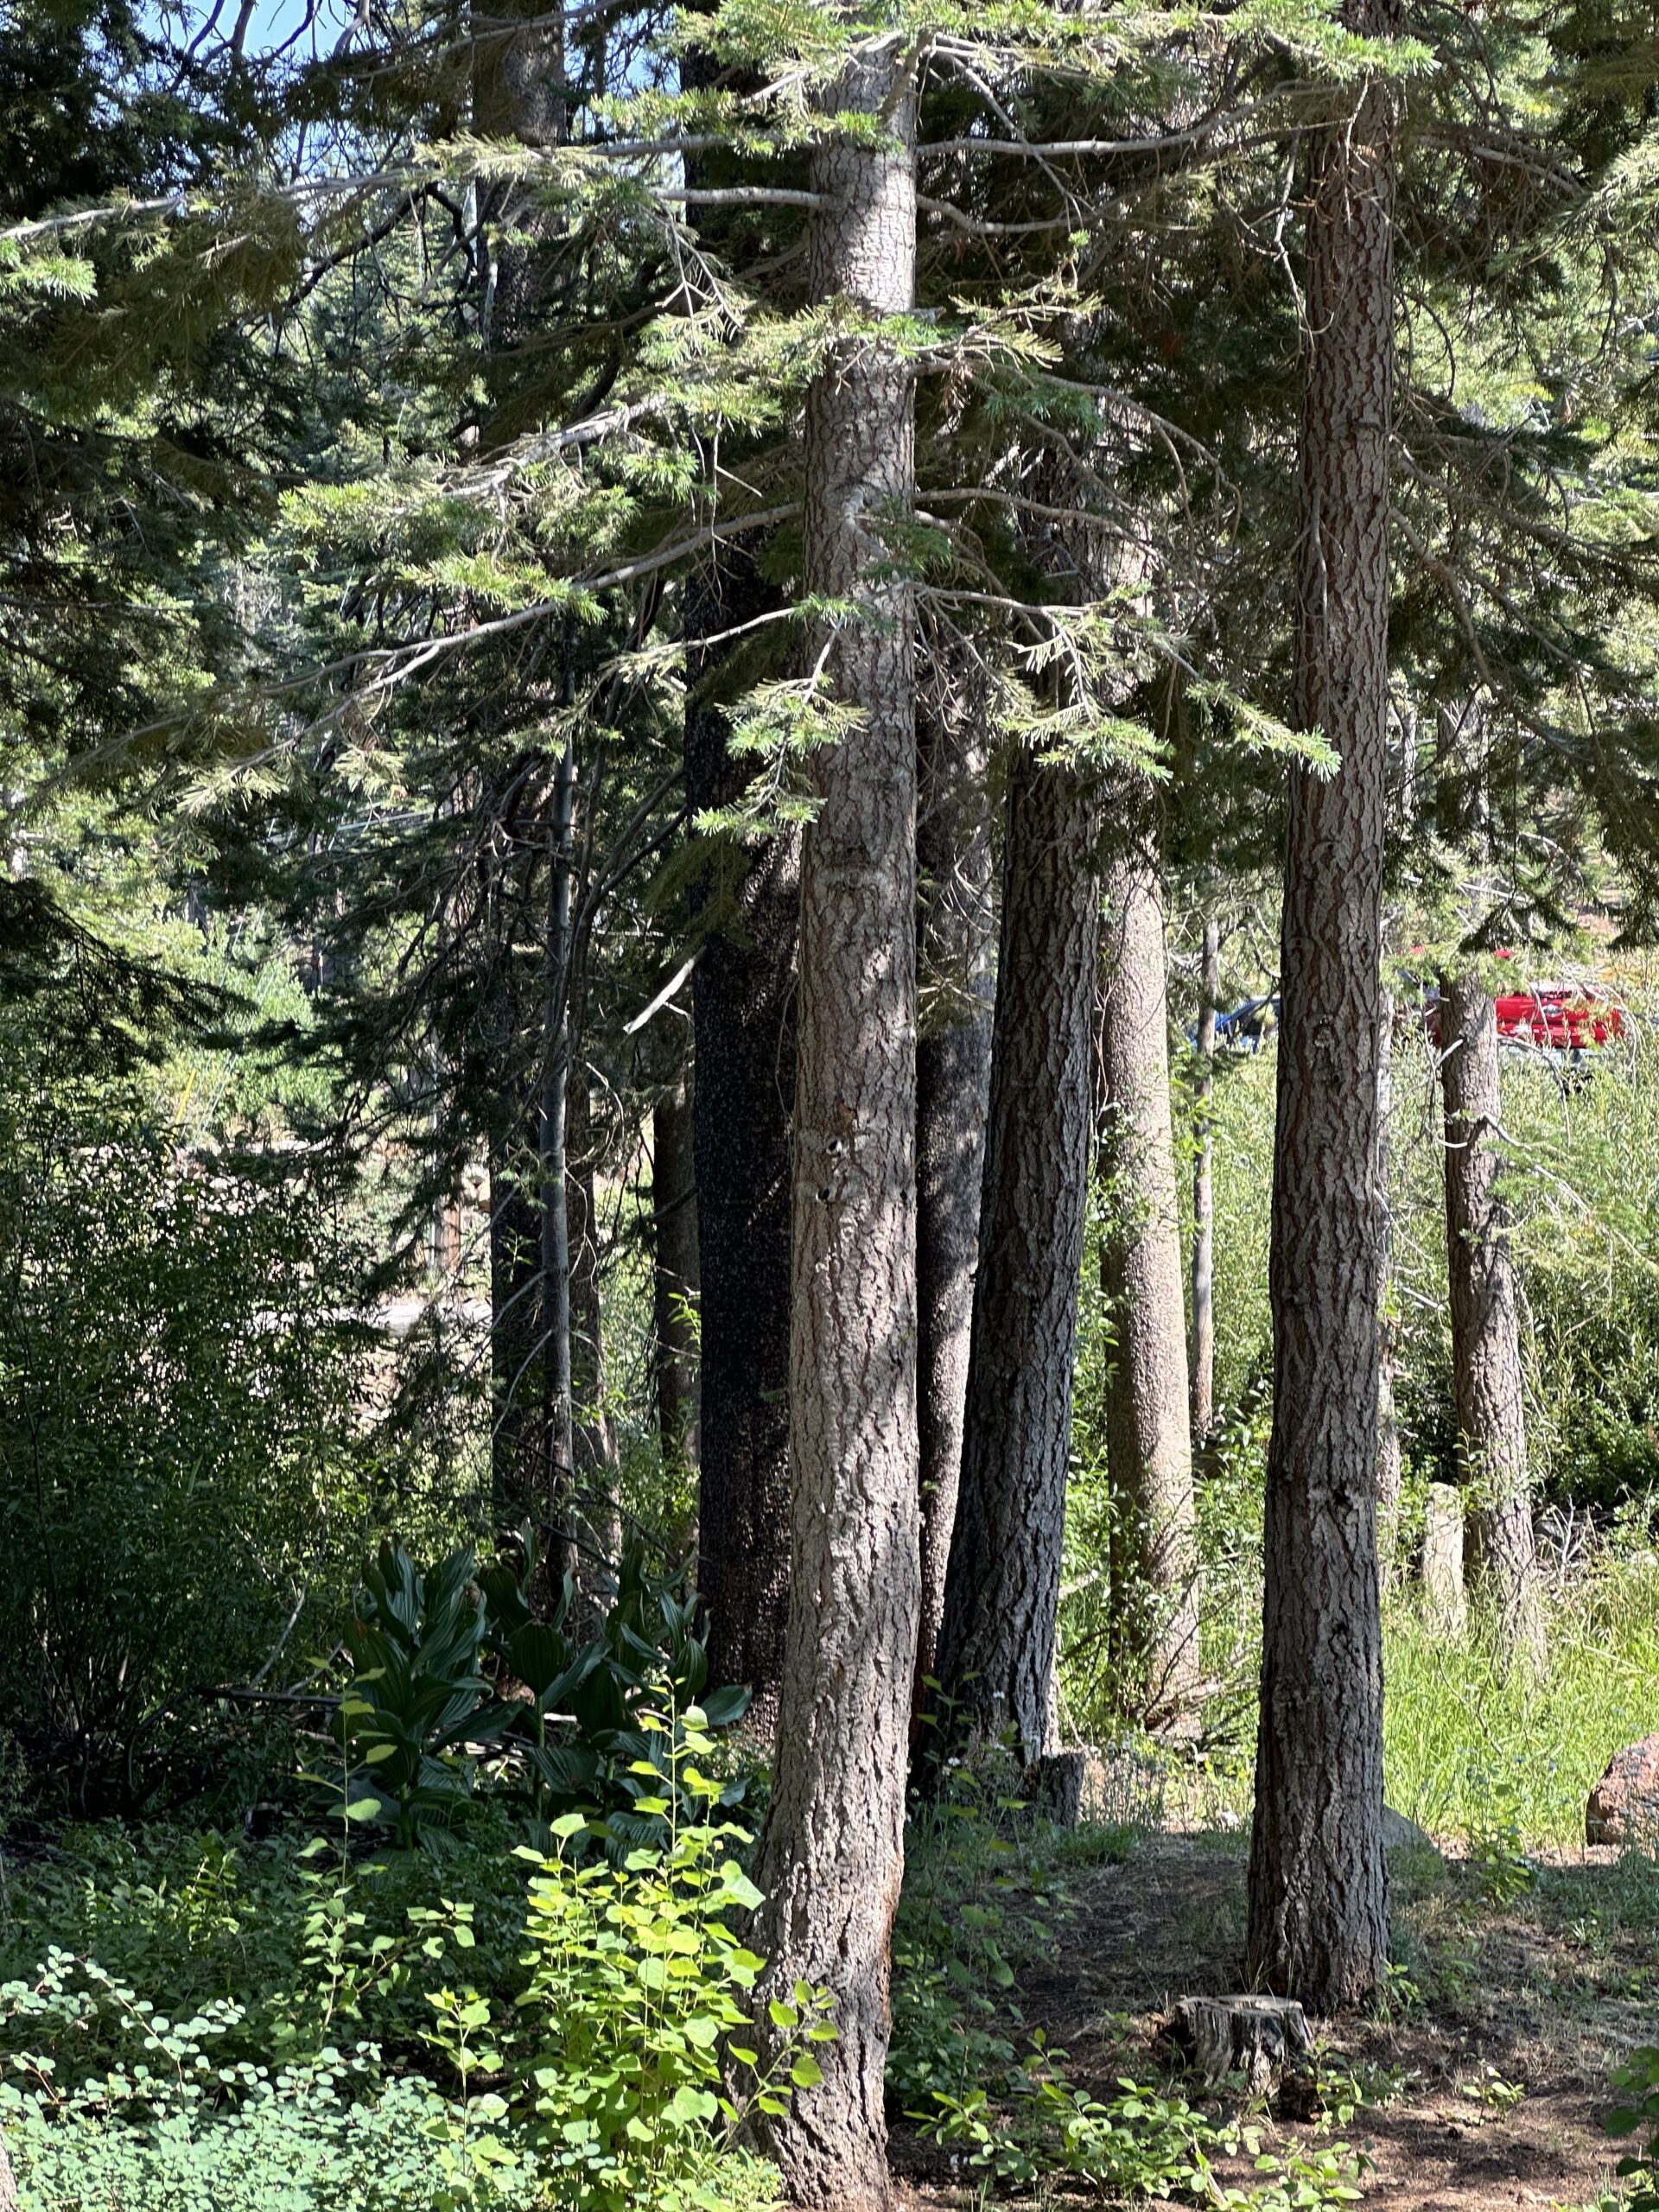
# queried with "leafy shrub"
point(184, 1474)
point(420, 1716)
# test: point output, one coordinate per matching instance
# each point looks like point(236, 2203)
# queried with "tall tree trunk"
point(832, 1855)
point(744, 1015)
point(997, 1644)
point(1318, 1919)
point(555, 1483)
point(1154, 1593)
point(675, 1275)
point(1203, 1378)
point(956, 922)
point(1486, 1368)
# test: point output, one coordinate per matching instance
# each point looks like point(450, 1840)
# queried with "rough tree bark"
point(1317, 1921)
point(1487, 1375)
point(743, 1008)
point(832, 1855)
point(1202, 1377)
point(997, 1644)
point(1154, 1563)
point(956, 922)
point(744, 1016)
point(675, 1275)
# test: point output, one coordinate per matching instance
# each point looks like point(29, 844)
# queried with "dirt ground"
point(1487, 2075)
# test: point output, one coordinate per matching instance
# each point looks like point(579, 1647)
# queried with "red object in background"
point(1555, 1017)
point(1565, 1020)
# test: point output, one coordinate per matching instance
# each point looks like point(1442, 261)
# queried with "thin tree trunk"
point(1154, 1589)
point(515, 1359)
point(997, 1644)
point(556, 1483)
point(597, 1459)
point(1203, 1378)
point(1487, 1374)
point(957, 919)
point(1318, 1918)
point(832, 1855)
point(675, 1275)
point(1390, 1471)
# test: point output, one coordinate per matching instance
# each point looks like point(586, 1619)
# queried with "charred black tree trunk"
point(953, 1072)
point(997, 1644)
point(1317, 1921)
point(832, 1855)
point(1487, 1373)
point(1154, 1563)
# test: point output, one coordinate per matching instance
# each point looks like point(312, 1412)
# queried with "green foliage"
point(1638, 2114)
point(305, 2032)
point(185, 1472)
point(580, 1730)
point(416, 1699)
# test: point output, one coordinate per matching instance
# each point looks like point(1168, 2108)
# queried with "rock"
point(1260, 2038)
point(1400, 1834)
point(1624, 1806)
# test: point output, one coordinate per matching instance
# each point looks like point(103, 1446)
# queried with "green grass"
point(1469, 1752)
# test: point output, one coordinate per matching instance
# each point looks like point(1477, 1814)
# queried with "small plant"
point(1496, 1851)
point(641, 1995)
point(1492, 2092)
point(1637, 2114)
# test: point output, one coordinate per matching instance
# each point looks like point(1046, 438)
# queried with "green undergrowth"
point(187, 2026)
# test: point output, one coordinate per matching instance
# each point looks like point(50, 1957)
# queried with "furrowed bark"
point(1487, 1374)
point(743, 1007)
point(1154, 1589)
point(743, 1015)
point(953, 1072)
point(1317, 1921)
point(997, 1644)
point(832, 1854)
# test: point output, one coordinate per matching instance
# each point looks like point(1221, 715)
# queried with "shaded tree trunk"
point(997, 1644)
point(1487, 1375)
point(675, 1273)
point(1154, 1564)
point(956, 921)
point(831, 1858)
point(1317, 1920)
point(744, 1015)
point(1203, 1378)
point(747, 903)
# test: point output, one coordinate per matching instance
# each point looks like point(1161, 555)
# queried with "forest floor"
point(1519, 1984)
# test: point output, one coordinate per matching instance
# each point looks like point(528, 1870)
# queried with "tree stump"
point(1443, 1598)
point(1260, 2037)
point(1053, 1786)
